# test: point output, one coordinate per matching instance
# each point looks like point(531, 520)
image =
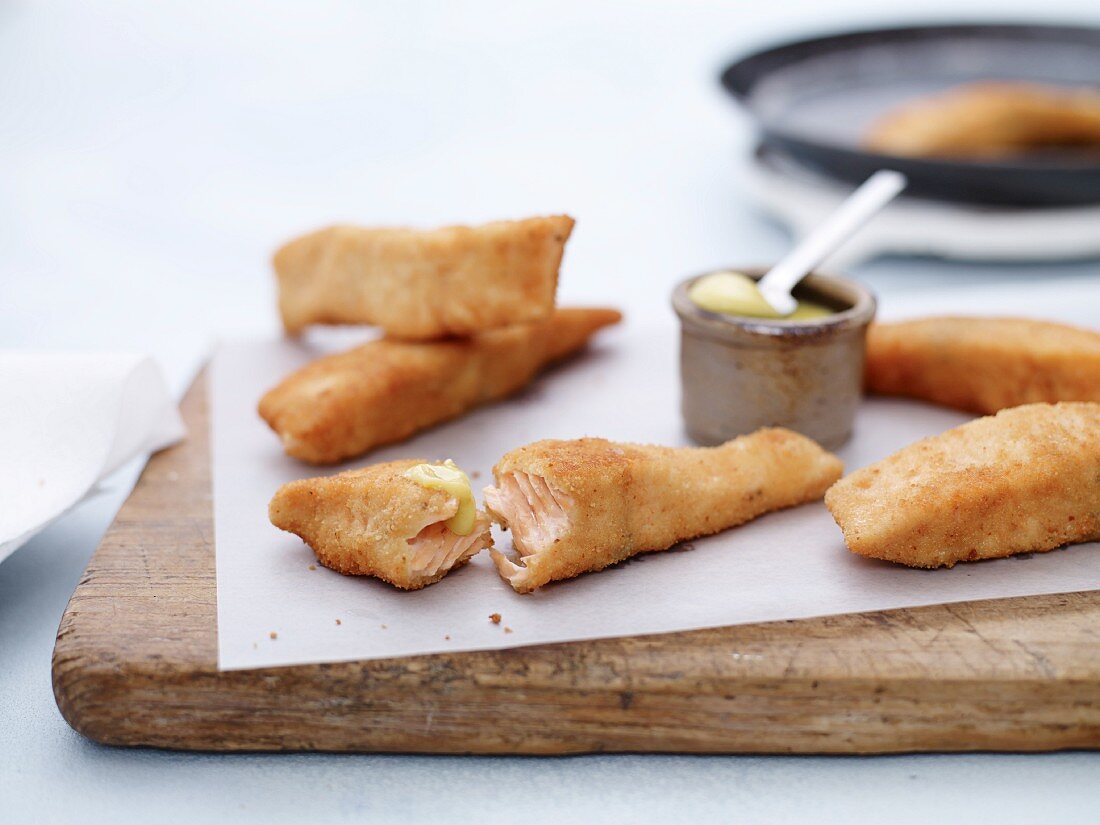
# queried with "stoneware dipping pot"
point(739, 374)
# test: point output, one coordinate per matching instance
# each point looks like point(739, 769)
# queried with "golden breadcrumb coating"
point(983, 364)
point(989, 120)
point(578, 506)
point(385, 391)
point(376, 522)
point(423, 284)
point(1025, 480)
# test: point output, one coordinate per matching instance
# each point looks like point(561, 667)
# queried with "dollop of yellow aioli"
point(452, 481)
point(734, 293)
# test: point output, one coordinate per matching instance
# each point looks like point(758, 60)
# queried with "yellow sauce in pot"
point(734, 293)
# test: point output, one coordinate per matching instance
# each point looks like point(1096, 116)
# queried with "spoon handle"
point(857, 209)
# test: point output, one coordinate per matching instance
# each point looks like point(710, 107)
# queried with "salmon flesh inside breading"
point(537, 515)
point(983, 364)
point(423, 284)
point(1025, 480)
point(378, 522)
point(579, 506)
point(343, 405)
point(436, 550)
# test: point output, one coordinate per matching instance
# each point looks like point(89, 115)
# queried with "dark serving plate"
point(813, 99)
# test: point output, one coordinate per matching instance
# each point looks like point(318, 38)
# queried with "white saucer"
point(801, 199)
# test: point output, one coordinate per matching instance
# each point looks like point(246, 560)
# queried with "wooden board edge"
point(118, 701)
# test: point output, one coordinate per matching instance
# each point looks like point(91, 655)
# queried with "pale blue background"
point(151, 155)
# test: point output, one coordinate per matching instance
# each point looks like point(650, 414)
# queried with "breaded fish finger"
point(344, 405)
point(577, 506)
point(989, 120)
point(1023, 481)
point(983, 364)
point(423, 284)
point(380, 521)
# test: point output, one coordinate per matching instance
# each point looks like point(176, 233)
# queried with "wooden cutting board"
point(135, 664)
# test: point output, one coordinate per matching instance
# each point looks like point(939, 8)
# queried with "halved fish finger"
point(578, 506)
point(379, 521)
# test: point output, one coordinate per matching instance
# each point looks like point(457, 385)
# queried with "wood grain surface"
point(134, 664)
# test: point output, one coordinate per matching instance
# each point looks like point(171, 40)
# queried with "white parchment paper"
point(277, 607)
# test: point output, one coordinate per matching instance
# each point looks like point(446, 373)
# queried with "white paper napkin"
point(68, 420)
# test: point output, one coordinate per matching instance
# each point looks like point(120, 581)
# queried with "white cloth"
point(68, 420)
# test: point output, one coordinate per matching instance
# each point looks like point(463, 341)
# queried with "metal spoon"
point(858, 208)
